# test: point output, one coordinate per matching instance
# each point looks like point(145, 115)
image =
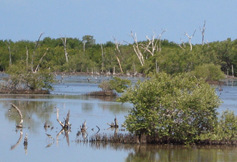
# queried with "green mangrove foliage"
point(22, 78)
point(87, 56)
point(172, 107)
point(225, 130)
point(209, 72)
point(117, 84)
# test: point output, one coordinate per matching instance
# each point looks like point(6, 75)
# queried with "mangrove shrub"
point(172, 107)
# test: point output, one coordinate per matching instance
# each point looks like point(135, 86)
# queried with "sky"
point(108, 19)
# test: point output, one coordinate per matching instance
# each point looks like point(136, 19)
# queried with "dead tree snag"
point(66, 125)
point(65, 47)
point(20, 125)
point(117, 49)
point(189, 39)
point(203, 32)
point(137, 49)
point(114, 124)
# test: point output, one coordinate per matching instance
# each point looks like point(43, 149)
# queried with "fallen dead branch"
point(20, 125)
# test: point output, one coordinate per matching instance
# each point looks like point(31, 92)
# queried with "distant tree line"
point(75, 55)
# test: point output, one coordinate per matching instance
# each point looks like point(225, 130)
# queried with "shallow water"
point(68, 95)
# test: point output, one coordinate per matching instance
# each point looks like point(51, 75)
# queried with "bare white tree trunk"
point(84, 47)
point(117, 48)
point(32, 59)
point(136, 49)
point(20, 114)
point(203, 32)
point(151, 42)
point(37, 67)
point(65, 47)
point(160, 39)
point(189, 39)
point(182, 43)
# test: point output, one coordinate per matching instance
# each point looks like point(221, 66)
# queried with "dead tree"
point(159, 49)
point(180, 44)
point(203, 32)
point(117, 49)
point(32, 59)
point(189, 39)
point(20, 125)
point(83, 126)
point(136, 49)
point(66, 125)
point(151, 42)
point(65, 47)
point(114, 124)
point(37, 67)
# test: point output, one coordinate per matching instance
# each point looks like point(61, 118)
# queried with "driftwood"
point(66, 125)
point(20, 125)
point(83, 131)
point(114, 124)
point(83, 127)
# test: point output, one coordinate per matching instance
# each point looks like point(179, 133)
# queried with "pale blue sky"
point(105, 19)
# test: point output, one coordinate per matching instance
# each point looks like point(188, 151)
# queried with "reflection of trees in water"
point(167, 153)
point(87, 107)
point(115, 108)
point(35, 113)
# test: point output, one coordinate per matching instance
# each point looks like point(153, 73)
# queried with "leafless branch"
point(58, 119)
point(37, 43)
point(21, 116)
point(136, 49)
point(37, 67)
point(117, 48)
point(189, 39)
point(203, 32)
point(65, 47)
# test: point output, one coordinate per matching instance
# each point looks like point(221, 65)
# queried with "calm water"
point(68, 95)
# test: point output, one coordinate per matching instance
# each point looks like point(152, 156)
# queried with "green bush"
point(117, 84)
point(21, 77)
point(210, 72)
point(179, 107)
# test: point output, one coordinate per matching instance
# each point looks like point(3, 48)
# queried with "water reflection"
point(18, 141)
point(35, 113)
point(170, 153)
